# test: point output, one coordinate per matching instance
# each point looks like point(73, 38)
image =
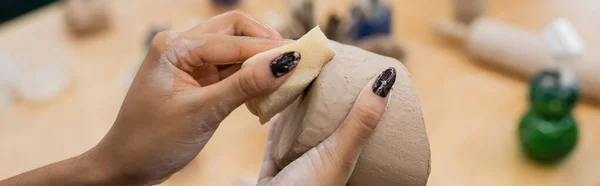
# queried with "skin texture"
point(188, 83)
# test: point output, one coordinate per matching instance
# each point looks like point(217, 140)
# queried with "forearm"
point(80, 170)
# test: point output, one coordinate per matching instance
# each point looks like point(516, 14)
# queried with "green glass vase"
point(547, 140)
point(554, 94)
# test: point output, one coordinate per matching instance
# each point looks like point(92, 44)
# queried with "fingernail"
point(284, 63)
point(384, 82)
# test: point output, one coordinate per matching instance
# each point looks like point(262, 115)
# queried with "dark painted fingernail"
point(284, 63)
point(383, 84)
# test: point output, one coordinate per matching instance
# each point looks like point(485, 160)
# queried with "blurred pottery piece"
point(86, 16)
point(466, 11)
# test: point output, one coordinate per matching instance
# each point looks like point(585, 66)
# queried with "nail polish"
point(284, 63)
point(384, 82)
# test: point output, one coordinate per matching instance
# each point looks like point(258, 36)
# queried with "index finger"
point(220, 49)
point(236, 23)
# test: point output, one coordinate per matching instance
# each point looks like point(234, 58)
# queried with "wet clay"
point(316, 51)
point(397, 153)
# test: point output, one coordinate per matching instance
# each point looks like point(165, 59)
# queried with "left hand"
point(332, 161)
point(188, 83)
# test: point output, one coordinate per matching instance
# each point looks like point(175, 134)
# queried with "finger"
point(206, 75)
point(263, 74)
point(223, 49)
point(269, 168)
point(347, 142)
point(210, 74)
point(236, 23)
point(226, 71)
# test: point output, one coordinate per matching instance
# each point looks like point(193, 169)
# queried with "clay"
point(519, 51)
point(397, 153)
point(86, 16)
point(316, 52)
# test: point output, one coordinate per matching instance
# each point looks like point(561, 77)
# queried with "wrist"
point(85, 169)
point(96, 169)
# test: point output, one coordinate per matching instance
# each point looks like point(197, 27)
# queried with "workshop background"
point(65, 68)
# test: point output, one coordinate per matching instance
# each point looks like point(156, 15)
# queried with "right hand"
point(333, 160)
point(188, 83)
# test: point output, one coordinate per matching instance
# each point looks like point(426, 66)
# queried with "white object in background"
point(42, 83)
point(563, 41)
point(566, 48)
point(8, 74)
point(6, 96)
point(521, 52)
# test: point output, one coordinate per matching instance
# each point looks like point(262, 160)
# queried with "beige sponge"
point(316, 51)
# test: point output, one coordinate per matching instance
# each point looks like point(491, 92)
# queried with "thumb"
point(260, 75)
point(340, 151)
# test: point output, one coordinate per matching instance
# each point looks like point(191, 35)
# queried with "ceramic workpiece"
point(398, 151)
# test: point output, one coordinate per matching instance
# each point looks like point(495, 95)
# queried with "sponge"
point(316, 51)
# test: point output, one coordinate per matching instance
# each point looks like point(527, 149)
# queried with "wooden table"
point(471, 112)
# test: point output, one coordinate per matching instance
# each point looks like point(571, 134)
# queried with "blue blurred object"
point(226, 2)
point(370, 21)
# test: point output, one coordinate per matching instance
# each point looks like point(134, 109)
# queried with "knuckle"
point(313, 160)
point(159, 43)
point(330, 152)
point(159, 39)
point(239, 48)
point(333, 158)
point(238, 14)
point(366, 117)
point(250, 85)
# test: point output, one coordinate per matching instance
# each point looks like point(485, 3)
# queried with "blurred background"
point(485, 71)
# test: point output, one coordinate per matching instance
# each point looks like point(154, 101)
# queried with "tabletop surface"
point(471, 112)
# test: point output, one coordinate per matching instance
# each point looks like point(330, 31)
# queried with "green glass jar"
point(547, 140)
point(553, 93)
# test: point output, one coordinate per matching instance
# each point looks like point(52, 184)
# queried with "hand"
point(333, 160)
point(188, 83)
